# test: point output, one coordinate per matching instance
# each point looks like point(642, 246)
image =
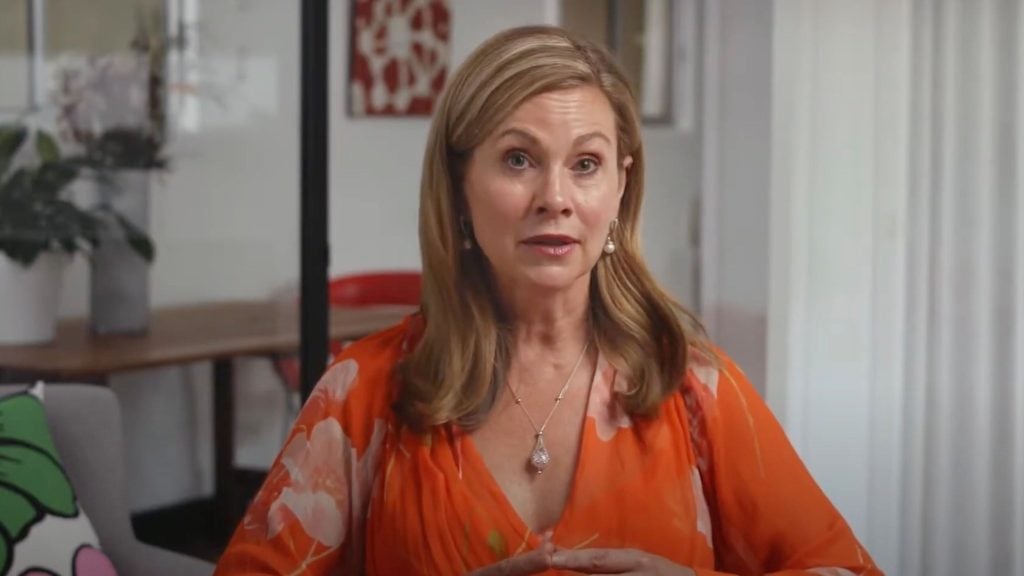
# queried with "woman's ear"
point(624, 167)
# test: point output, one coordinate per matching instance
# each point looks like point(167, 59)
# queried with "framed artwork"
point(655, 41)
point(399, 56)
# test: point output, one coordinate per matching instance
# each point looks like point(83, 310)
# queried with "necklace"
point(540, 457)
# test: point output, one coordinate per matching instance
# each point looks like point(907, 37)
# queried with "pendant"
point(540, 458)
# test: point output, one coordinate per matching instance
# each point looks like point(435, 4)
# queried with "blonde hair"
point(458, 367)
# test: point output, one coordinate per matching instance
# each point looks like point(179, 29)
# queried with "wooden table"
point(215, 332)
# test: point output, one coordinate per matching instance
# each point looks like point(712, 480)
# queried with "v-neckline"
point(499, 496)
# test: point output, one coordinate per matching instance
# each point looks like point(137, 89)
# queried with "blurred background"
point(834, 186)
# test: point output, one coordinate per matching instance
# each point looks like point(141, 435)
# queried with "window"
point(35, 32)
point(16, 56)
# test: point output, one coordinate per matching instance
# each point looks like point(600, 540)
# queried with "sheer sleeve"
point(308, 516)
point(769, 517)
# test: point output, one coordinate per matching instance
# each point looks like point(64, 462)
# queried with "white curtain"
point(896, 306)
point(964, 344)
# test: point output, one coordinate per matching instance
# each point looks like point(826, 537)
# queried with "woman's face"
point(543, 189)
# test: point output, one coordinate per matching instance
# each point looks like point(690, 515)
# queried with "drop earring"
point(467, 240)
point(609, 244)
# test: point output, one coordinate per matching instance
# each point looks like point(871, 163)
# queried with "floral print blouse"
point(711, 483)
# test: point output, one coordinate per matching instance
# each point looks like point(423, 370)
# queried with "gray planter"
point(119, 277)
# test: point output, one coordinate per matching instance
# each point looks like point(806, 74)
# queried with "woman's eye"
point(517, 160)
point(586, 165)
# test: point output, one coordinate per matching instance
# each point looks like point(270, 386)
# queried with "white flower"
point(318, 494)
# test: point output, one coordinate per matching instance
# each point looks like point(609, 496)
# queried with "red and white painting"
point(400, 52)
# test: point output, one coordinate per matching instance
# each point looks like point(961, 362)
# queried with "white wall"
point(803, 206)
point(225, 218)
point(736, 179)
point(838, 235)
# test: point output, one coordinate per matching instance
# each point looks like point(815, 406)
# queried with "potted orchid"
point(112, 109)
point(41, 227)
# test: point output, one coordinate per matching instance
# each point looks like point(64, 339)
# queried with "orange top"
point(354, 492)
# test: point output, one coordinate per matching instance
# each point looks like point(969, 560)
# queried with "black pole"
point(313, 224)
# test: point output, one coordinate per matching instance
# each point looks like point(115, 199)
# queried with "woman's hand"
point(534, 562)
point(616, 561)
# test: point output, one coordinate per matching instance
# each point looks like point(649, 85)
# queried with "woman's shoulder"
point(361, 379)
point(718, 393)
point(703, 366)
point(709, 370)
point(386, 346)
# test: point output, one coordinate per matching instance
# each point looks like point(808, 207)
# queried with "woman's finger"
point(601, 560)
point(534, 562)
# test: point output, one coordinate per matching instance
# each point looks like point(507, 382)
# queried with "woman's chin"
point(554, 279)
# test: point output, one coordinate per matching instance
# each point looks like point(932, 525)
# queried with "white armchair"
point(85, 422)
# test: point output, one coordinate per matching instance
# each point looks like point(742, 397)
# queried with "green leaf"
point(52, 178)
point(497, 544)
point(19, 184)
point(127, 148)
point(22, 419)
point(24, 253)
point(5, 554)
point(19, 514)
point(47, 147)
point(11, 139)
point(137, 238)
point(39, 477)
point(34, 215)
point(29, 465)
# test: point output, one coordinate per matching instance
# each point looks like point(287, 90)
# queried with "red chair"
point(357, 291)
point(376, 288)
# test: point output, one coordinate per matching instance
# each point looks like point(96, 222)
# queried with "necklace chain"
point(540, 457)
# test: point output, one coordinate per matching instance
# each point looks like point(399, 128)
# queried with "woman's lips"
point(551, 244)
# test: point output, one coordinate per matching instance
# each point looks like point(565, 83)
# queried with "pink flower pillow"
point(43, 530)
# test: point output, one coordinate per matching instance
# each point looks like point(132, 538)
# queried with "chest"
point(508, 440)
point(456, 501)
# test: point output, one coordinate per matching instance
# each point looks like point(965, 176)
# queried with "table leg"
point(224, 443)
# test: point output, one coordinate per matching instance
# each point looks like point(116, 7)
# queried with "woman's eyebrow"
point(520, 133)
point(579, 140)
point(597, 134)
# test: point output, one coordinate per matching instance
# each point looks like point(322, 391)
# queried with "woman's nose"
point(553, 194)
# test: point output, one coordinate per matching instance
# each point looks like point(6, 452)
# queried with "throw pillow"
point(43, 530)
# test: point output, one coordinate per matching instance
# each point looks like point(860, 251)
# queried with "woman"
point(551, 408)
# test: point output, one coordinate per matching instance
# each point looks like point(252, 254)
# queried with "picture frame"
point(656, 43)
point(399, 56)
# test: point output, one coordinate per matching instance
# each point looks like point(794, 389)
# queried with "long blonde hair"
point(458, 367)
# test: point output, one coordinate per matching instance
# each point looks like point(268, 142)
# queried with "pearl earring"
point(467, 241)
point(609, 245)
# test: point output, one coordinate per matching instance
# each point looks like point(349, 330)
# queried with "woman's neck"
point(549, 325)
